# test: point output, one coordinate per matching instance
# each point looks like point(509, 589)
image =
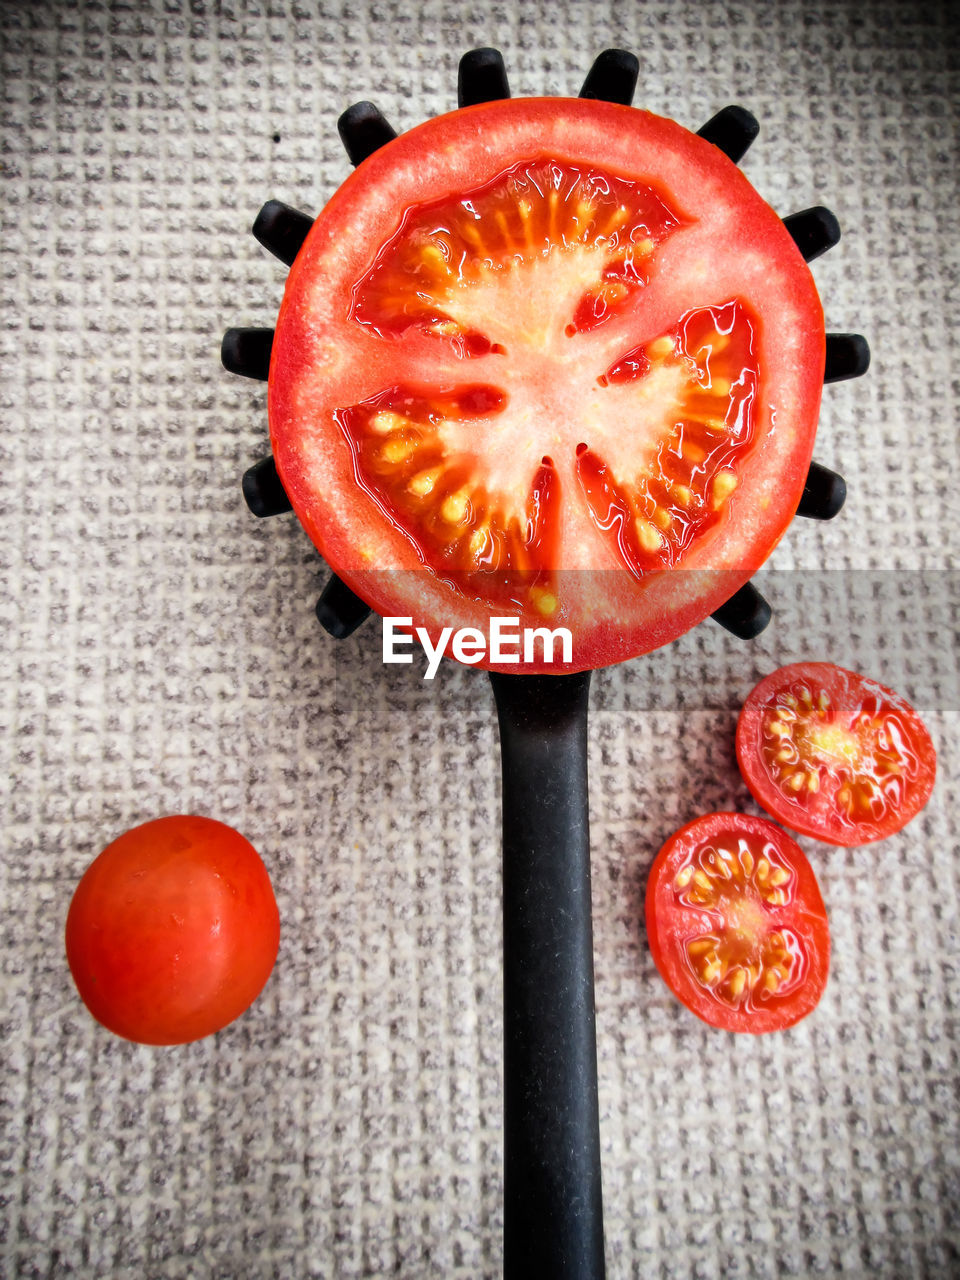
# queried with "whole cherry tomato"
point(173, 930)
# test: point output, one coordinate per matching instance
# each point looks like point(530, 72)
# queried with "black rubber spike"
point(282, 230)
point(482, 78)
point(612, 78)
point(745, 614)
point(247, 352)
point(848, 356)
point(364, 130)
point(263, 489)
point(814, 231)
point(339, 611)
point(732, 130)
point(823, 494)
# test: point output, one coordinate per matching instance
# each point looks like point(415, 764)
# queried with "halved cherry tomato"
point(833, 754)
point(173, 930)
point(736, 923)
point(532, 355)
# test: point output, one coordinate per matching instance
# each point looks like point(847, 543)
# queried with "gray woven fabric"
point(162, 656)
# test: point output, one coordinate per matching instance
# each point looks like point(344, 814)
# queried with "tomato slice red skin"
point(173, 930)
point(820, 816)
point(668, 926)
point(443, 157)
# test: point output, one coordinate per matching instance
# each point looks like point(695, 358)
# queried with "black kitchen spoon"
point(553, 1218)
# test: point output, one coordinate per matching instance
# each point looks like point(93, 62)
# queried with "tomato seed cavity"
point(503, 269)
point(743, 958)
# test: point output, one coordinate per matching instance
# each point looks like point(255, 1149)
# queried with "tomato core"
point(519, 272)
point(743, 956)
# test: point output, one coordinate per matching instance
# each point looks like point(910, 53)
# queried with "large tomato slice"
point(833, 754)
point(736, 923)
point(532, 355)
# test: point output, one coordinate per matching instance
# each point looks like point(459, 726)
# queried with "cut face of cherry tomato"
point(548, 359)
point(173, 930)
point(833, 754)
point(736, 923)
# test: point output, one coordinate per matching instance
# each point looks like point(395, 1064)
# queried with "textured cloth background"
point(162, 656)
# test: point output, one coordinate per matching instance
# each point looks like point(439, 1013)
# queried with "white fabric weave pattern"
point(162, 656)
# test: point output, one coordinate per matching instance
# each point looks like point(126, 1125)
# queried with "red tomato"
point(173, 930)
point(833, 754)
point(736, 923)
point(532, 354)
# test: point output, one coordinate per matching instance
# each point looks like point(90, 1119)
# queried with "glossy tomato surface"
point(548, 359)
point(173, 930)
point(834, 754)
point(736, 923)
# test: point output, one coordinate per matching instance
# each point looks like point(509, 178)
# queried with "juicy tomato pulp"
point(833, 754)
point(534, 354)
point(736, 923)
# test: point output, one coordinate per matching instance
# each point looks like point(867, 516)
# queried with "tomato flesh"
point(690, 472)
point(534, 354)
point(833, 754)
point(736, 923)
point(544, 251)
